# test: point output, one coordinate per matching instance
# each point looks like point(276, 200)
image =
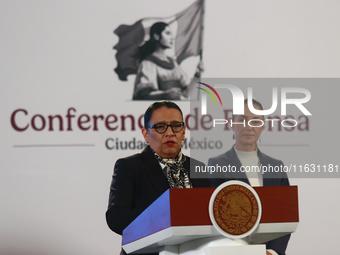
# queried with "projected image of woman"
point(159, 76)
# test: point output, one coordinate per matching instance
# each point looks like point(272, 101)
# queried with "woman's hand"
point(199, 69)
point(174, 93)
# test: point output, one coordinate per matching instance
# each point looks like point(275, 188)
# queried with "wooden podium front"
point(182, 215)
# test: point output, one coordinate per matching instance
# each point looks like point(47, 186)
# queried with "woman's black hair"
point(149, 46)
point(254, 101)
point(157, 105)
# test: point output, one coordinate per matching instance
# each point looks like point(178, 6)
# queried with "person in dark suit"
point(138, 180)
point(245, 154)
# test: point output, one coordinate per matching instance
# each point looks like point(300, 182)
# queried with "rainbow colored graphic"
point(209, 93)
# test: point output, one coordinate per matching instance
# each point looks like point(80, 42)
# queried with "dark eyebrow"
point(164, 122)
point(245, 117)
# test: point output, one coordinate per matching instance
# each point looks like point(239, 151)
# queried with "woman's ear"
point(145, 134)
point(156, 37)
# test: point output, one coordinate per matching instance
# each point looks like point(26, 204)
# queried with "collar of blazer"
point(264, 161)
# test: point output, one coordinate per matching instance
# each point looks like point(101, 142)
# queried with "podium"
point(179, 222)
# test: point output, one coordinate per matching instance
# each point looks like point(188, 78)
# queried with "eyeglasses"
point(161, 128)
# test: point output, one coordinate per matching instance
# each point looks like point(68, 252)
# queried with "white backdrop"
point(56, 55)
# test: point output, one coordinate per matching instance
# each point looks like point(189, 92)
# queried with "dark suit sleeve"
point(119, 213)
point(214, 182)
point(203, 180)
point(279, 244)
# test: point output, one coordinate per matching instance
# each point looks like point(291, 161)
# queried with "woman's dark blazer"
point(137, 181)
point(269, 179)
